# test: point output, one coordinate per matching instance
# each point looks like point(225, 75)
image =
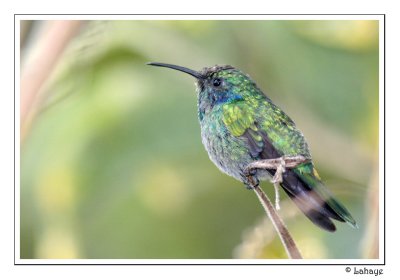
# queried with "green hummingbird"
point(250, 138)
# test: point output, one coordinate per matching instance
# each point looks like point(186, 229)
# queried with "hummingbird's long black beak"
point(191, 72)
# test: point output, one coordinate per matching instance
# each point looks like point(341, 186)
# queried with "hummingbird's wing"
point(270, 133)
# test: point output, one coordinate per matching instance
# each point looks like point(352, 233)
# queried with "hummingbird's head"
point(217, 85)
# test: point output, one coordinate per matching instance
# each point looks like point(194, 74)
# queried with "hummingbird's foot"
point(280, 165)
point(277, 180)
point(274, 163)
point(251, 182)
point(280, 169)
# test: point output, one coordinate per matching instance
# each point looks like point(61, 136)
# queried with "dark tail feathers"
point(316, 203)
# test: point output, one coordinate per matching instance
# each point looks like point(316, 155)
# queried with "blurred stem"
point(45, 56)
point(371, 237)
point(287, 240)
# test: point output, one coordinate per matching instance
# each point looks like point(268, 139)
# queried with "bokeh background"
point(112, 164)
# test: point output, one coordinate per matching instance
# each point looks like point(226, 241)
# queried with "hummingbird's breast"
point(226, 151)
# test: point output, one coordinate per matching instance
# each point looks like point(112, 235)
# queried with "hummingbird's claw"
point(251, 182)
point(280, 169)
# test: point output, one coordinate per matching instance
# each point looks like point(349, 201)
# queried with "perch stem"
point(287, 240)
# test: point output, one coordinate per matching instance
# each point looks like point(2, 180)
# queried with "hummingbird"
point(249, 138)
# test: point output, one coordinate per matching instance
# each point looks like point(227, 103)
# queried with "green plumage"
point(240, 125)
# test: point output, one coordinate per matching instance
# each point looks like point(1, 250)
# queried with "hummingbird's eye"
point(216, 82)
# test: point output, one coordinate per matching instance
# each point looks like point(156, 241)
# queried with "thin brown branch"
point(287, 240)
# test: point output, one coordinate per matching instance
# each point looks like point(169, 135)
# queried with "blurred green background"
point(113, 165)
